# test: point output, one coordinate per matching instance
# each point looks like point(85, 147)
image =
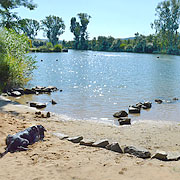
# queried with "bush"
point(149, 48)
point(44, 49)
point(49, 45)
point(15, 66)
point(129, 48)
point(57, 48)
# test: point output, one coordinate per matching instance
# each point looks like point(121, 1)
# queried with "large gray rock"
point(133, 109)
point(137, 151)
point(33, 104)
point(120, 114)
point(15, 93)
point(173, 156)
point(50, 89)
point(86, 142)
point(21, 90)
point(167, 156)
point(64, 50)
point(159, 101)
point(29, 91)
point(161, 155)
point(37, 105)
point(114, 147)
point(38, 89)
point(101, 143)
point(40, 105)
point(75, 139)
point(147, 105)
point(124, 121)
point(53, 88)
point(139, 105)
point(60, 135)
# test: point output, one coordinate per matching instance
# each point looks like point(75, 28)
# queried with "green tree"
point(76, 30)
point(53, 26)
point(103, 44)
point(140, 43)
point(8, 18)
point(30, 27)
point(167, 24)
point(79, 29)
point(94, 44)
point(129, 48)
point(116, 45)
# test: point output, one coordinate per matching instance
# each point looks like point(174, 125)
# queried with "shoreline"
point(56, 158)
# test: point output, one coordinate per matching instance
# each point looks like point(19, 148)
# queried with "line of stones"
point(132, 150)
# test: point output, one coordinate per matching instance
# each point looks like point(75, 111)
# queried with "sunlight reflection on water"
point(97, 84)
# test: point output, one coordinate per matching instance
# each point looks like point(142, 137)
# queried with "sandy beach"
point(60, 159)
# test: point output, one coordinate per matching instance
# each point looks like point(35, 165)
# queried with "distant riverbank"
point(44, 49)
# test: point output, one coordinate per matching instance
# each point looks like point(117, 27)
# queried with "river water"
point(97, 84)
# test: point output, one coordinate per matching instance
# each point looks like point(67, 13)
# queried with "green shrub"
point(15, 65)
point(57, 48)
point(44, 49)
point(49, 45)
point(129, 48)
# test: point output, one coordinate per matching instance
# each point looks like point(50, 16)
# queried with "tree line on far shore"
point(165, 40)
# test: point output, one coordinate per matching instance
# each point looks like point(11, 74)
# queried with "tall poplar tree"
point(167, 24)
point(53, 26)
point(79, 29)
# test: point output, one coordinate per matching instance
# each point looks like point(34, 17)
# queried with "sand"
point(60, 159)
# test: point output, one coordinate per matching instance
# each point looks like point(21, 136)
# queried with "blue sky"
point(117, 18)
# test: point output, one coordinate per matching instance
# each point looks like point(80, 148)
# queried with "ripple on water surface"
point(97, 84)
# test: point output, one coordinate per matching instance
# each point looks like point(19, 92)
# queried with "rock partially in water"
point(114, 147)
point(21, 90)
point(64, 50)
point(159, 101)
point(134, 110)
point(29, 91)
point(147, 105)
point(40, 105)
point(175, 99)
point(15, 93)
point(48, 89)
point(124, 121)
point(48, 115)
point(37, 105)
point(101, 143)
point(139, 105)
point(52, 88)
point(137, 151)
point(120, 114)
point(53, 102)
